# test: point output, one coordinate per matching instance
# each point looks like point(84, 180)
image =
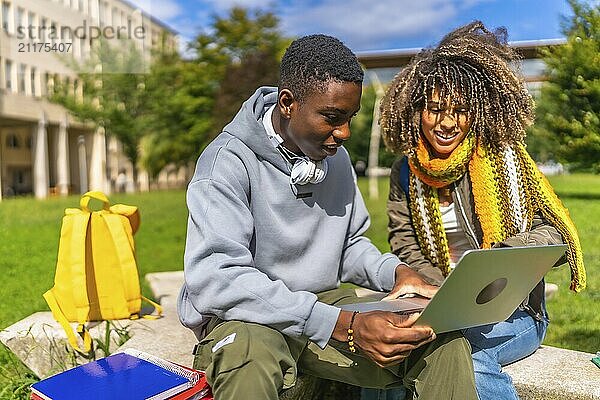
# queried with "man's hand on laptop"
point(410, 282)
point(386, 338)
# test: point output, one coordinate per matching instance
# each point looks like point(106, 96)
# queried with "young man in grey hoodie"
point(276, 223)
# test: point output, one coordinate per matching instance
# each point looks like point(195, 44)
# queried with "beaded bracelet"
point(350, 339)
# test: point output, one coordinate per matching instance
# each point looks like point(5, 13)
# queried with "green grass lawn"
point(29, 235)
point(29, 231)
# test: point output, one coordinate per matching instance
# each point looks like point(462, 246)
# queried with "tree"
point(243, 50)
point(240, 80)
point(240, 33)
point(568, 127)
point(193, 99)
point(178, 124)
point(112, 96)
point(168, 116)
point(358, 144)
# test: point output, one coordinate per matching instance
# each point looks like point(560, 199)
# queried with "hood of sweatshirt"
point(247, 126)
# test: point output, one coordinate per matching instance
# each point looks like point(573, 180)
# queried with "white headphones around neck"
point(304, 170)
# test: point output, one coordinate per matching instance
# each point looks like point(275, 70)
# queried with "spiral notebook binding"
point(192, 376)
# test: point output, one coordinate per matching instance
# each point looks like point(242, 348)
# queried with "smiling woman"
point(445, 123)
point(457, 114)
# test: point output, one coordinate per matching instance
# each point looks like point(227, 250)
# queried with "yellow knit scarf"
point(508, 189)
point(440, 172)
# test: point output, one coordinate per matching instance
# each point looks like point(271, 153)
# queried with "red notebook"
point(200, 391)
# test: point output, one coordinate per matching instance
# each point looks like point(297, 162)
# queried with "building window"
point(101, 13)
point(19, 19)
point(12, 141)
point(5, 15)
point(21, 78)
point(19, 177)
point(43, 25)
point(31, 26)
point(46, 84)
point(53, 35)
point(32, 75)
point(8, 75)
point(82, 48)
point(80, 5)
point(50, 83)
point(66, 34)
point(107, 12)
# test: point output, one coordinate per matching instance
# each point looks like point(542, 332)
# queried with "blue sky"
point(366, 25)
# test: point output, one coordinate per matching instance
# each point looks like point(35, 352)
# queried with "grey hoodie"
point(259, 249)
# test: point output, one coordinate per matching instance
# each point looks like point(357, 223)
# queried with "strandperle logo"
point(83, 31)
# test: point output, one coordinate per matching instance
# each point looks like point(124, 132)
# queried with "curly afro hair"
point(473, 63)
point(311, 61)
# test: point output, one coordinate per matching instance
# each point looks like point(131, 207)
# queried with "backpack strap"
point(62, 320)
point(85, 200)
point(78, 282)
point(125, 252)
point(404, 175)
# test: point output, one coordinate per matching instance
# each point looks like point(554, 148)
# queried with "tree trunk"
point(373, 164)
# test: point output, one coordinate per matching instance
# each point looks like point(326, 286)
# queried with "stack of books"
point(131, 375)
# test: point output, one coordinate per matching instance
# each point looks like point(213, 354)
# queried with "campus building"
point(44, 150)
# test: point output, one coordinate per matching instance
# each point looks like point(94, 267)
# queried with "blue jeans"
point(383, 394)
point(493, 347)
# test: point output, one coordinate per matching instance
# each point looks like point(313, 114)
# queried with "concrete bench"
point(39, 341)
point(550, 373)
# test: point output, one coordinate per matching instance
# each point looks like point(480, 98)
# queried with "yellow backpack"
point(96, 273)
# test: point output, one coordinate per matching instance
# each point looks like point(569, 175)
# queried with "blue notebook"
point(118, 376)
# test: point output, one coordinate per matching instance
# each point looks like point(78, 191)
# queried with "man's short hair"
point(311, 61)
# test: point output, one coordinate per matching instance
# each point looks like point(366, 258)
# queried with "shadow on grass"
point(578, 196)
point(588, 340)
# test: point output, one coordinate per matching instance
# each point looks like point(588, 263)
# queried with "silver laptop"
point(485, 287)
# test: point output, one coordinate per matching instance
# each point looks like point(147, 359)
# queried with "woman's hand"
point(410, 282)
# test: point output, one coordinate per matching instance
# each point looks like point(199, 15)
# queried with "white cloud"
point(370, 24)
point(161, 9)
point(361, 24)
